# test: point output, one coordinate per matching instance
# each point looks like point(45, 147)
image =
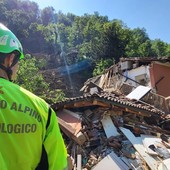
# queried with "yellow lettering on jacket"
point(25, 109)
point(17, 128)
point(3, 104)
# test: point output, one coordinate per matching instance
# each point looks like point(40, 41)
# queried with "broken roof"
point(109, 100)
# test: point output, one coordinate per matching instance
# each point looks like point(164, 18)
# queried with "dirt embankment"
point(70, 84)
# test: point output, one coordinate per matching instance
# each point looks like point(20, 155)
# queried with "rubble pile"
point(102, 138)
point(110, 131)
point(121, 122)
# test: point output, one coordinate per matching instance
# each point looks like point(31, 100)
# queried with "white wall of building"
point(139, 71)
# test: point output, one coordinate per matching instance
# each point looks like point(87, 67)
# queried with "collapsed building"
point(121, 121)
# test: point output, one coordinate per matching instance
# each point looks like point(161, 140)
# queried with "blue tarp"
point(74, 68)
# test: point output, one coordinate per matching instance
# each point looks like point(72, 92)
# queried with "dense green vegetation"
point(28, 78)
point(93, 37)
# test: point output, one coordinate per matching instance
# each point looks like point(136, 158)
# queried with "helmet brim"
point(21, 56)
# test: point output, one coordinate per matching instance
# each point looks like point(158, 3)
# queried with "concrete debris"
point(98, 138)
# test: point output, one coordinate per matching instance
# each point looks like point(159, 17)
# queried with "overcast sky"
point(153, 15)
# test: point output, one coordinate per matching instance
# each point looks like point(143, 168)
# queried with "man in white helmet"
point(30, 137)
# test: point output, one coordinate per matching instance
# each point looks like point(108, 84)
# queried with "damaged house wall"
point(139, 74)
point(160, 78)
point(129, 73)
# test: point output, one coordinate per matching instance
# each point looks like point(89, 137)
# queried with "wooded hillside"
point(74, 41)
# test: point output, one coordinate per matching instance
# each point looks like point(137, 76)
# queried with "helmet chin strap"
point(8, 71)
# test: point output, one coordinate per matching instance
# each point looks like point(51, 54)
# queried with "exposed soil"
point(71, 84)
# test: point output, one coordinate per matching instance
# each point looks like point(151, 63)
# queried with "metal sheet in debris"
point(138, 145)
point(109, 127)
point(111, 162)
point(139, 92)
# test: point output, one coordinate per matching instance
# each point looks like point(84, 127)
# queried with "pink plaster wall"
point(157, 71)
